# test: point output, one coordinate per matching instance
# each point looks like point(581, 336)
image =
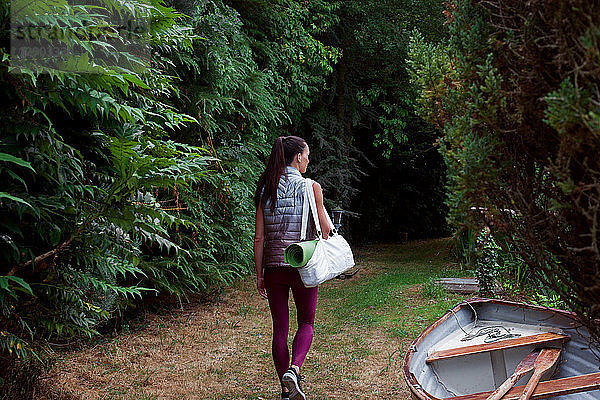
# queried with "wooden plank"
point(540, 339)
point(473, 281)
point(556, 387)
point(464, 285)
point(460, 288)
point(459, 285)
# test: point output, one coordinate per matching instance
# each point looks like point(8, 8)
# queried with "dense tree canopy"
point(377, 157)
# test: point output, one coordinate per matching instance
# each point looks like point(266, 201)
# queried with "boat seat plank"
point(542, 339)
point(556, 387)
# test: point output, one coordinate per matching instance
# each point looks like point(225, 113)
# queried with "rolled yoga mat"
point(298, 254)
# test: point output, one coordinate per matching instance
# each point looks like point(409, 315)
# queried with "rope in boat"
point(458, 322)
point(492, 333)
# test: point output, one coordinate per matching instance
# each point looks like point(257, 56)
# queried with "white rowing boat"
point(476, 346)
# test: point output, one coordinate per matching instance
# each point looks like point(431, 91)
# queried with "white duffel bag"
point(332, 256)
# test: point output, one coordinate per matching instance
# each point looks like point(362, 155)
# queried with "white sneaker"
point(291, 381)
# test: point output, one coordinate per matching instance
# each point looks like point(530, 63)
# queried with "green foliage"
point(515, 89)
point(283, 37)
point(236, 80)
point(82, 151)
point(430, 67)
point(486, 263)
point(375, 155)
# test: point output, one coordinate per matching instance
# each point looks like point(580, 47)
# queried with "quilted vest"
point(282, 226)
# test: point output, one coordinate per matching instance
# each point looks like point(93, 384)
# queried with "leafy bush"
point(516, 91)
point(82, 152)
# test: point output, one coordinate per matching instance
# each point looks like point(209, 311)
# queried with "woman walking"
point(279, 199)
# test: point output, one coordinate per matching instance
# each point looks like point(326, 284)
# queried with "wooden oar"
point(546, 360)
point(524, 367)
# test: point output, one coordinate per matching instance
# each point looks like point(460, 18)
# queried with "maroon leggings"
point(278, 282)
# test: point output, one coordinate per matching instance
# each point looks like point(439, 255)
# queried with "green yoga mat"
point(298, 254)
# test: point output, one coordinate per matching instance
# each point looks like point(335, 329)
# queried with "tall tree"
point(366, 125)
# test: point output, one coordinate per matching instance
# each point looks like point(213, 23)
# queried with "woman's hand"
point(260, 285)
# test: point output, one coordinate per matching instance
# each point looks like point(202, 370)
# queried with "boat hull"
point(474, 373)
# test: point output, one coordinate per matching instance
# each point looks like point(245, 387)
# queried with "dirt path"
point(222, 350)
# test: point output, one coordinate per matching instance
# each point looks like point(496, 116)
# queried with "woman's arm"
point(259, 244)
point(325, 228)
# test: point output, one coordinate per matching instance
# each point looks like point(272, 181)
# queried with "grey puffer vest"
point(282, 226)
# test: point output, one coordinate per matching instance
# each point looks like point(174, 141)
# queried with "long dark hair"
point(283, 152)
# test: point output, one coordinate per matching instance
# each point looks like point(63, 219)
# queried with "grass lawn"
point(221, 350)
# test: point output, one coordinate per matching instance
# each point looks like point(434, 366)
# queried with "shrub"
point(516, 91)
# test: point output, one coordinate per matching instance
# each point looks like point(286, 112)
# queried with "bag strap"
point(312, 203)
point(305, 208)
